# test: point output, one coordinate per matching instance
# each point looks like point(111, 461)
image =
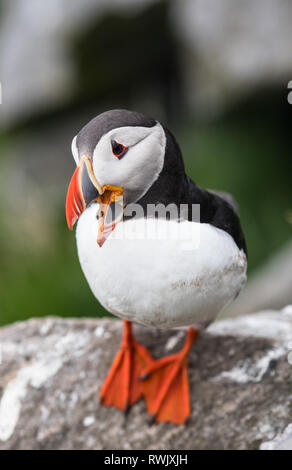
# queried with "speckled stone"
point(52, 370)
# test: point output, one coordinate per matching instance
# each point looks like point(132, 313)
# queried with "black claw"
point(151, 419)
point(145, 376)
point(127, 409)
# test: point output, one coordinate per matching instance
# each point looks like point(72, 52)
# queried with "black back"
point(173, 186)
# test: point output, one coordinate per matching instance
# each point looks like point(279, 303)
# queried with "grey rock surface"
point(52, 369)
point(282, 441)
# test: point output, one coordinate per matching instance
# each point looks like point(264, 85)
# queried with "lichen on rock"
point(53, 368)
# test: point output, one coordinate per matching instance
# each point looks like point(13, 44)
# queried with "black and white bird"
point(157, 271)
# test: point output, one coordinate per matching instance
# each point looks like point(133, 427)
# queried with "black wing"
point(218, 209)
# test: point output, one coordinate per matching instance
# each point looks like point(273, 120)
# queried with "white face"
point(74, 150)
point(138, 168)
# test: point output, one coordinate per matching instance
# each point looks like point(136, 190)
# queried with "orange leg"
point(122, 388)
point(166, 385)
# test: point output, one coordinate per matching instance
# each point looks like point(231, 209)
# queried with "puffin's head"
point(119, 155)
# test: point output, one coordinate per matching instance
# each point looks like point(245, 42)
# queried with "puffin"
point(155, 248)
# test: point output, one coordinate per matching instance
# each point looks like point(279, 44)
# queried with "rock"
point(52, 369)
point(282, 441)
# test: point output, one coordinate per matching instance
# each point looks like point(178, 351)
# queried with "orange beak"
point(83, 190)
point(74, 202)
point(110, 211)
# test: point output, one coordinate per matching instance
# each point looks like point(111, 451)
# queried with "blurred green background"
point(210, 78)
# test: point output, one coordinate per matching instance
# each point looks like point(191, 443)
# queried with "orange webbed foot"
point(166, 385)
point(121, 387)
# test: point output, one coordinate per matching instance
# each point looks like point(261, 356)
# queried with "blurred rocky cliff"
point(229, 50)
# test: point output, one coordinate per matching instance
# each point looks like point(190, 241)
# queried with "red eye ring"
point(118, 149)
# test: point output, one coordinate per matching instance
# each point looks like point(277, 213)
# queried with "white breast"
point(184, 279)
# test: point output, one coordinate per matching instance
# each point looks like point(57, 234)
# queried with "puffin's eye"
point(119, 150)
